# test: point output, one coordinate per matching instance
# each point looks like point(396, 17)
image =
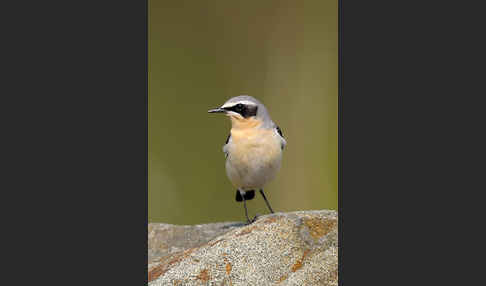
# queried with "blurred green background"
point(201, 53)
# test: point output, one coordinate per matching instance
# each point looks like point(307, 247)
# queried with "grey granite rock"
point(297, 248)
point(164, 239)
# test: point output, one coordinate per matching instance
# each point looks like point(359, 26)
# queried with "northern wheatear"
point(253, 148)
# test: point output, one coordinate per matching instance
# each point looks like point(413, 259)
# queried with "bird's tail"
point(248, 195)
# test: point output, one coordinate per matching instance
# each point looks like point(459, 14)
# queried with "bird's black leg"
point(246, 212)
point(266, 201)
point(242, 195)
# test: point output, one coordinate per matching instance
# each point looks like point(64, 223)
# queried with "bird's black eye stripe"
point(240, 108)
point(245, 110)
point(280, 131)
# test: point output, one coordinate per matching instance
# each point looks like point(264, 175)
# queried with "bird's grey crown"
point(242, 99)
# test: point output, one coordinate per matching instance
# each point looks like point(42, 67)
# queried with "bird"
point(253, 149)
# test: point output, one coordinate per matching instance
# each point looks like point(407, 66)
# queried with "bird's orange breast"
point(255, 156)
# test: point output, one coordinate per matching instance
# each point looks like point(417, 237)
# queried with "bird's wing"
point(279, 132)
point(225, 147)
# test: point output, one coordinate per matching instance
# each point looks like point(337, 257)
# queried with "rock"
point(164, 239)
point(297, 248)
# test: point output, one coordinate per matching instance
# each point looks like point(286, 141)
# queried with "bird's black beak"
point(217, 110)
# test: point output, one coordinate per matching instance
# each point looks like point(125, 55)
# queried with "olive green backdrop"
point(201, 53)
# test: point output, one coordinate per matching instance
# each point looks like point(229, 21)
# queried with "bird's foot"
point(253, 220)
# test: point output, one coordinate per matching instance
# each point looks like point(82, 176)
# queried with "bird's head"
point(244, 111)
